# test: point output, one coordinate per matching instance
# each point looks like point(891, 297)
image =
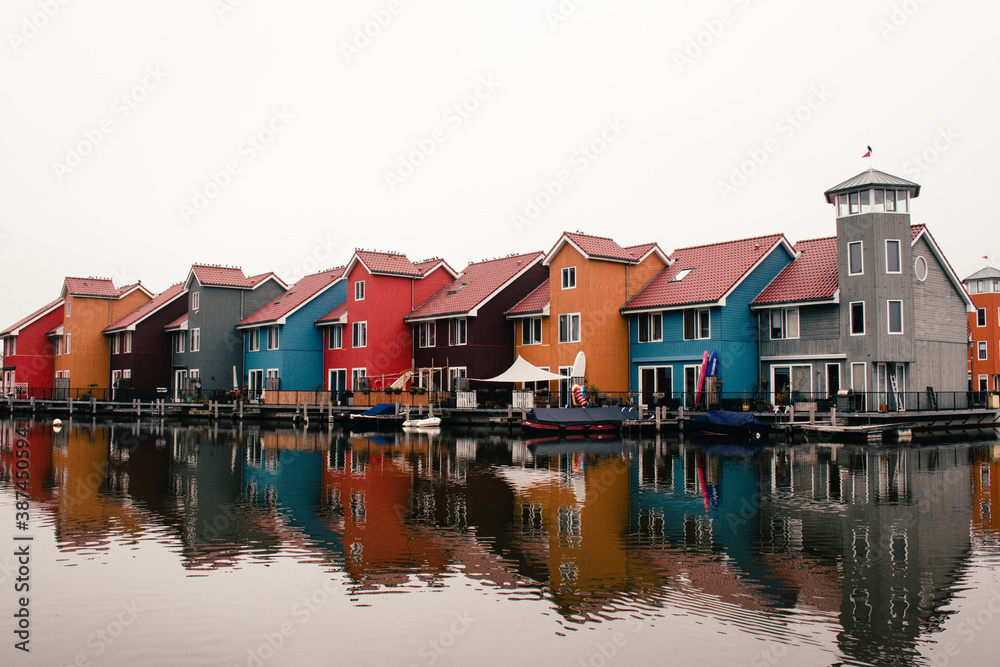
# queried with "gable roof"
point(713, 271)
point(604, 249)
point(213, 275)
point(918, 232)
point(298, 295)
point(180, 324)
point(536, 303)
point(336, 316)
point(161, 300)
point(812, 276)
point(15, 328)
point(428, 265)
point(476, 285)
point(385, 263)
point(872, 177)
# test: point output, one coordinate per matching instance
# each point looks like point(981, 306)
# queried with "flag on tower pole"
point(868, 153)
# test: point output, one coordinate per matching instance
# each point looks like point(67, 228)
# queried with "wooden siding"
point(640, 275)
point(150, 358)
point(33, 363)
point(876, 287)
point(819, 332)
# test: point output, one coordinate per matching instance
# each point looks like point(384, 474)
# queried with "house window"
point(893, 258)
point(569, 277)
point(115, 344)
point(253, 340)
point(857, 318)
point(195, 340)
point(531, 331)
point(179, 339)
point(784, 323)
point(337, 378)
point(697, 324)
point(982, 350)
point(127, 342)
point(981, 317)
point(458, 331)
point(359, 290)
point(427, 334)
point(895, 317)
point(650, 327)
point(66, 344)
point(855, 259)
point(336, 337)
point(272, 337)
point(569, 328)
point(357, 374)
point(454, 374)
point(984, 383)
point(127, 373)
point(681, 275)
point(360, 334)
point(195, 300)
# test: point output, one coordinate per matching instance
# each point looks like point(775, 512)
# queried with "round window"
point(920, 268)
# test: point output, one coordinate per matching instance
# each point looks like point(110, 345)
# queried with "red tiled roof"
point(297, 295)
point(94, 287)
point(811, 276)
point(534, 303)
point(476, 284)
point(396, 264)
point(715, 269)
point(915, 231)
point(602, 247)
point(148, 308)
point(334, 315)
point(179, 322)
point(261, 277)
point(220, 276)
point(426, 266)
point(30, 318)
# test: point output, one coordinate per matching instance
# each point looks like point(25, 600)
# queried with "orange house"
point(983, 287)
point(578, 308)
point(82, 351)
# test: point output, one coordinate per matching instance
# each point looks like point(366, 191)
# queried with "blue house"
point(701, 302)
point(283, 348)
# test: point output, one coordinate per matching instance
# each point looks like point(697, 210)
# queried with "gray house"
point(876, 309)
point(207, 351)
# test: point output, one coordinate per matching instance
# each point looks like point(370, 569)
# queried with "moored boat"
point(724, 422)
point(577, 420)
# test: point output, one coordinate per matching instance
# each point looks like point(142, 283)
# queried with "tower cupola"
point(872, 191)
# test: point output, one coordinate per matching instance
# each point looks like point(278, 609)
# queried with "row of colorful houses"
point(874, 308)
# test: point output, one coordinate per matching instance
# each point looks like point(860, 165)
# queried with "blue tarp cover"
point(729, 422)
point(381, 409)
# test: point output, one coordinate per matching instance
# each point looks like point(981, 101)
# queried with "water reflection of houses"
point(895, 520)
point(39, 437)
point(985, 473)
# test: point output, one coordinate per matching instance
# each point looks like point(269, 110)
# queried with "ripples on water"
point(788, 553)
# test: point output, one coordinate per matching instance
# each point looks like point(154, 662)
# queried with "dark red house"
point(140, 348)
point(366, 336)
point(27, 352)
point(462, 331)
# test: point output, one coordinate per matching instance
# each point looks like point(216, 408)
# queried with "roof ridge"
point(717, 243)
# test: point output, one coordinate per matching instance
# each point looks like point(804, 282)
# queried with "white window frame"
point(647, 331)
point(980, 317)
point(330, 374)
point(195, 301)
point(115, 344)
point(127, 373)
point(861, 256)
point(338, 338)
point(888, 317)
point(69, 308)
point(66, 345)
point(899, 255)
point(528, 331)
point(568, 275)
point(273, 337)
point(253, 340)
point(697, 314)
point(180, 341)
point(359, 290)
point(356, 374)
point(361, 327)
point(783, 324)
point(455, 372)
point(127, 342)
point(982, 350)
point(569, 319)
point(458, 331)
point(195, 345)
point(850, 318)
point(984, 383)
point(427, 334)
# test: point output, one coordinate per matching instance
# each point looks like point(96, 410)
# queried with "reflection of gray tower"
point(874, 260)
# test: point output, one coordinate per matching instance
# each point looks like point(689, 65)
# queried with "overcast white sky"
point(140, 136)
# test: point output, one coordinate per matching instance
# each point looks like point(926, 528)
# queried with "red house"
point(366, 336)
point(27, 352)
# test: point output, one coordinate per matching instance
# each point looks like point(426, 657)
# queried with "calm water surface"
point(160, 544)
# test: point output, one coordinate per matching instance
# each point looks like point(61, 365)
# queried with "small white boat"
point(426, 422)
